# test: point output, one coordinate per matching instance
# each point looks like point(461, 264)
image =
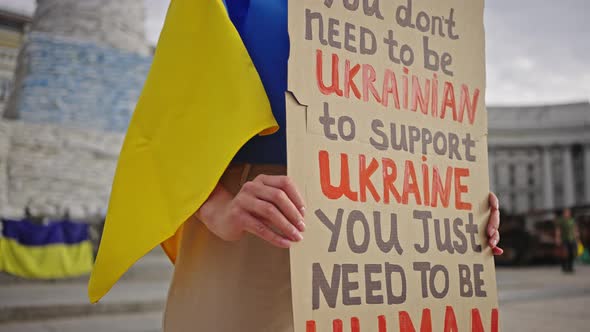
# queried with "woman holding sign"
point(195, 177)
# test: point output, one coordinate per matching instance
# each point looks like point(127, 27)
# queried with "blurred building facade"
point(539, 156)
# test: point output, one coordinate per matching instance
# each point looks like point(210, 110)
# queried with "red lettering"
point(495, 320)
point(477, 325)
point(434, 100)
point(382, 323)
point(450, 320)
point(448, 101)
point(406, 325)
point(334, 88)
point(416, 92)
point(369, 77)
point(328, 189)
point(426, 184)
point(355, 325)
point(390, 86)
point(365, 174)
point(418, 97)
point(405, 322)
point(467, 103)
point(410, 187)
point(349, 75)
point(405, 88)
point(438, 190)
point(389, 177)
point(460, 189)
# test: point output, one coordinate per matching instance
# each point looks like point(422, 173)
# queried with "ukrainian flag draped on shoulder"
point(203, 99)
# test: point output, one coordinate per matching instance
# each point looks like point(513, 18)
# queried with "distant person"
point(567, 237)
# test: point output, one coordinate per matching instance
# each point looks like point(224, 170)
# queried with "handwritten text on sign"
point(395, 154)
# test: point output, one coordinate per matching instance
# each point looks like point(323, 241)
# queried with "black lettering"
point(372, 285)
point(309, 17)
point(349, 286)
point(333, 227)
point(320, 284)
point(349, 37)
point(478, 282)
point(443, 244)
point(414, 137)
point(472, 229)
point(433, 273)
point(391, 297)
point(424, 216)
point(393, 235)
point(333, 33)
point(423, 268)
point(460, 247)
point(351, 128)
point(376, 126)
point(469, 143)
point(354, 217)
point(454, 146)
point(327, 121)
point(368, 42)
point(403, 15)
point(465, 286)
point(403, 144)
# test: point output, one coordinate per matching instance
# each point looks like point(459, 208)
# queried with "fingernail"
point(297, 236)
point(302, 210)
point(495, 243)
point(498, 251)
point(285, 243)
point(301, 225)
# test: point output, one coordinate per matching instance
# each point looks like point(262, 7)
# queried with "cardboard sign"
point(387, 138)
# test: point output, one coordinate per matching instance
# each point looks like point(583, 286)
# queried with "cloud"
point(537, 51)
point(25, 7)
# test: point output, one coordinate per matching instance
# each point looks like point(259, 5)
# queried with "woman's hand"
point(269, 207)
point(493, 225)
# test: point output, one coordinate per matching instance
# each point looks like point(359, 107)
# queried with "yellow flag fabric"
point(203, 99)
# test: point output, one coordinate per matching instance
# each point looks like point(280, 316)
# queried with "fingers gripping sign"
point(269, 207)
point(494, 225)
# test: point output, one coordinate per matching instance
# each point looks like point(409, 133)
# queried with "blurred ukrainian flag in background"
point(52, 250)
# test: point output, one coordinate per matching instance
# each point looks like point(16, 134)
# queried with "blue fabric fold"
point(262, 24)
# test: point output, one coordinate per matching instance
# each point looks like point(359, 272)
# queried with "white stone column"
point(587, 172)
point(116, 23)
point(5, 142)
point(568, 177)
point(548, 200)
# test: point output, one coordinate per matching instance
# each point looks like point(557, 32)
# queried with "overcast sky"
point(538, 51)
